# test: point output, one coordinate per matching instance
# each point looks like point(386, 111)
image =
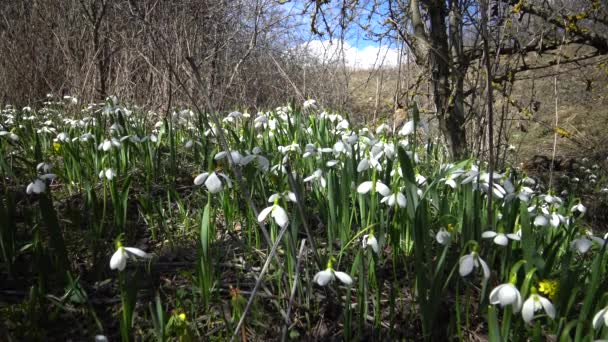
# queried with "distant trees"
point(137, 49)
point(444, 37)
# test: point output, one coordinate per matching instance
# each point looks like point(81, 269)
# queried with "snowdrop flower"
point(382, 128)
point(368, 162)
point(310, 104)
point(62, 137)
point(599, 318)
point(420, 179)
point(328, 275)
point(233, 116)
point(470, 261)
point(86, 137)
point(317, 176)
point(443, 236)
point(579, 208)
point(506, 294)
point(450, 180)
point(37, 187)
point(109, 174)
point(541, 221)
point(235, 155)
point(107, 145)
point(119, 258)
point(342, 125)
point(287, 195)
point(277, 212)
point(295, 147)
point(407, 129)
point(393, 198)
point(212, 181)
point(44, 167)
point(371, 241)
point(581, 244)
point(312, 151)
point(10, 135)
point(365, 187)
point(500, 238)
point(535, 303)
point(101, 338)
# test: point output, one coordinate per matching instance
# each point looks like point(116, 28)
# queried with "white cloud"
point(341, 51)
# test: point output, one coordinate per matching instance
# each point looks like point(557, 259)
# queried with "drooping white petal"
point(581, 245)
point(555, 220)
point(264, 213)
point(484, 268)
point(344, 278)
point(363, 165)
point(527, 311)
point(547, 306)
point(515, 236)
point(501, 240)
point(118, 261)
point(137, 252)
point(280, 216)
point(407, 129)
point(540, 221)
point(364, 187)
point(213, 183)
point(323, 277)
point(599, 318)
point(466, 265)
point(401, 201)
point(200, 179)
point(37, 187)
point(292, 197)
point(382, 189)
point(488, 234)
point(443, 236)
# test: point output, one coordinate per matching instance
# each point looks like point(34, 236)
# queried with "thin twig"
point(273, 251)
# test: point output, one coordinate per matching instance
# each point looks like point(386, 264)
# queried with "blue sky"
point(356, 49)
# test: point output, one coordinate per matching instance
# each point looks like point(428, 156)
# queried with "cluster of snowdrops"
point(385, 196)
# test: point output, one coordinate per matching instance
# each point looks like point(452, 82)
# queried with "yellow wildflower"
point(548, 287)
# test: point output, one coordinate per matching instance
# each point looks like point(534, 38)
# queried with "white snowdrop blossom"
point(380, 187)
point(328, 275)
point(371, 241)
point(277, 213)
point(581, 244)
point(506, 294)
point(407, 129)
point(108, 145)
point(395, 198)
point(317, 175)
point(536, 303)
point(44, 167)
point(500, 238)
point(235, 155)
point(579, 208)
point(382, 128)
point(600, 318)
point(109, 174)
point(443, 237)
point(38, 186)
point(310, 104)
point(472, 261)
point(119, 258)
point(212, 181)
